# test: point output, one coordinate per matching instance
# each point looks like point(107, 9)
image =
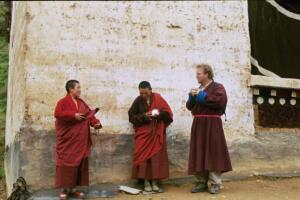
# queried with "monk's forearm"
point(190, 105)
point(216, 101)
point(191, 102)
point(65, 115)
point(165, 117)
point(138, 119)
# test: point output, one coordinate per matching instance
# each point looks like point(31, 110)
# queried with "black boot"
point(200, 187)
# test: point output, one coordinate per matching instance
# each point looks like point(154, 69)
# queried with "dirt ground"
point(257, 188)
point(251, 189)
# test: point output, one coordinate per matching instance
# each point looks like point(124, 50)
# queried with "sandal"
point(78, 194)
point(63, 196)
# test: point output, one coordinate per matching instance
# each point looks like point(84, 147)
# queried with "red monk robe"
point(73, 142)
point(150, 160)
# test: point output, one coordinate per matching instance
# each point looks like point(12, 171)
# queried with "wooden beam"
point(274, 82)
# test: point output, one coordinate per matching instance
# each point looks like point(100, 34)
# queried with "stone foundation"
point(264, 154)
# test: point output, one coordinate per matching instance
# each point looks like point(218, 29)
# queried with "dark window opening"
point(276, 108)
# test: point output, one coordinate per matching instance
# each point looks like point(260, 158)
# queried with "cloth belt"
point(208, 116)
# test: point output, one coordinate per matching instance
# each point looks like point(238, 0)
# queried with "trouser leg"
point(216, 182)
point(202, 177)
point(201, 185)
point(66, 190)
point(215, 178)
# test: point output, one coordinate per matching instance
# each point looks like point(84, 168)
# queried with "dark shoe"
point(202, 187)
point(214, 189)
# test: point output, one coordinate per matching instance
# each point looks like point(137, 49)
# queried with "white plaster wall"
point(111, 46)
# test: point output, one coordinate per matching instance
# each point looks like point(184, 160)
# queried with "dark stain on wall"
point(173, 26)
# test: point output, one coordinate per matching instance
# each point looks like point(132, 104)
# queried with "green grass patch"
point(3, 87)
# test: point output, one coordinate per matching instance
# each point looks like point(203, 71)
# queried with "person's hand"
point(79, 116)
point(97, 126)
point(194, 91)
point(148, 115)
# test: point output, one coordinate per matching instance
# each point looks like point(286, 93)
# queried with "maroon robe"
point(208, 148)
point(150, 160)
point(73, 142)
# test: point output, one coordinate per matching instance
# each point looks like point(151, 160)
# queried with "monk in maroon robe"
point(73, 140)
point(209, 155)
point(150, 115)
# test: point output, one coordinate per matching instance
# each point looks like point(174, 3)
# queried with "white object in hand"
point(155, 112)
point(196, 90)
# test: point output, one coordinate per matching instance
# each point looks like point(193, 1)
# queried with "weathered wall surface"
point(110, 47)
point(16, 91)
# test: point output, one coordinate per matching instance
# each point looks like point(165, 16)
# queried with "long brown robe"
point(150, 156)
point(73, 142)
point(208, 148)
